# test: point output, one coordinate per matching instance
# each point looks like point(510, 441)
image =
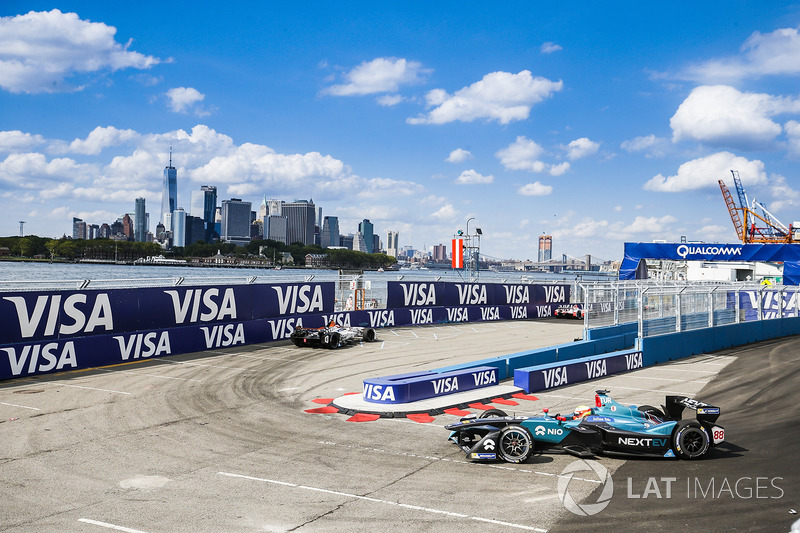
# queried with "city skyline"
point(595, 126)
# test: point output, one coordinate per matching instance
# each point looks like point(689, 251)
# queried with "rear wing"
point(705, 412)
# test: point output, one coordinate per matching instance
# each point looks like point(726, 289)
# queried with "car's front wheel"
point(516, 444)
point(690, 440)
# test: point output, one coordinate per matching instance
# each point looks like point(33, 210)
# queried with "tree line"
point(32, 246)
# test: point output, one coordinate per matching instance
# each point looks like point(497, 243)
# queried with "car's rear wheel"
point(369, 335)
point(330, 340)
point(516, 444)
point(690, 440)
point(298, 341)
point(493, 413)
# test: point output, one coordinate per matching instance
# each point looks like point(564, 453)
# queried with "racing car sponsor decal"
point(596, 418)
point(483, 456)
point(708, 411)
point(646, 442)
point(541, 431)
point(488, 444)
point(718, 434)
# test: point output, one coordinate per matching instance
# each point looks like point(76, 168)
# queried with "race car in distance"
point(330, 336)
point(569, 311)
point(607, 428)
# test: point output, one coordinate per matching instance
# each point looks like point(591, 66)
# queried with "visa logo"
point(472, 294)
point(298, 299)
point(193, 301)
point(83, 317)
point(595, 369)
point(143, 345)
point(519, 311)
point(446, 385)
point(341, 319)
point(633, 360)
point(421, 316)
point(380, 319)
point(517, 294)
point(419, 294)
point(543, 311)
point(554, 294)
point(377, 393)
point(490, 313)
point(457, 314)
point(555, 377)
point(41, 357)
point(223, 335)
point(282, 328)
point(484, 378)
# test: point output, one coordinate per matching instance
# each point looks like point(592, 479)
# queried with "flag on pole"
point(458, 253)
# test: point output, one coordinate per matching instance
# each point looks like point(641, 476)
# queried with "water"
point(16, 276)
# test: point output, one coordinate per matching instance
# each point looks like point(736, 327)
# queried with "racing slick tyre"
point(689, 439)
point(515, 444)
point(331, 341)
point(493, 413)
point(298, 342)
point(369, 335)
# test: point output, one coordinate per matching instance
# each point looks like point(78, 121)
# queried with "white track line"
point(88, 388)
point(388, 502)
point(109, 526)
point(459, 461)
point(20, 406)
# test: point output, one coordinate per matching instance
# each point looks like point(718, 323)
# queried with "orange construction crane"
point(754, 228)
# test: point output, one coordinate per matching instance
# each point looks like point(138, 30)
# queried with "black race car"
point(608, 428)
point(331, 336)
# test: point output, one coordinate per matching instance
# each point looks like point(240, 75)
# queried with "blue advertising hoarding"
point(788, 254)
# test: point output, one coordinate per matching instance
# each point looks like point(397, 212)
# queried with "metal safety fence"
point(661, 307)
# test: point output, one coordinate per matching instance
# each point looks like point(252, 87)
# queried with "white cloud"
point(535, 189)
point(387, 188)
point(559, 169)
point(644, 225)
point(651, 145)
point(17, 141)
point(470, 177)
point(582, 147)
point(784, 196)
point(381, 75)
point(549, 48)
point(100, 138)
point(390, 100)
point(459, 155)
point(522, 154)
point(446, 213)
point(776, 53)
point(500, 96)
point(722, 116)
point(183, 100)
point(706, 171)
point(39, 50)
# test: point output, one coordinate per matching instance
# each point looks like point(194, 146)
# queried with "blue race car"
point(607, 428)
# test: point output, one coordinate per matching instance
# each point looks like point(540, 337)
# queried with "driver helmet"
point(581, 411)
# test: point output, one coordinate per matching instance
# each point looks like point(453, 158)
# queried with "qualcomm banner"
point(789, 254)
point(401, 294)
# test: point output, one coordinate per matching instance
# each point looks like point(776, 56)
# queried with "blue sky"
point(597, 123)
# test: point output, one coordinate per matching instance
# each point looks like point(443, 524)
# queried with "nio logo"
point(488, 444)
point(541, 430)
point(585, 465)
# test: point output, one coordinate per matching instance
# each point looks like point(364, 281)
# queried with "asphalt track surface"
point(220, 441)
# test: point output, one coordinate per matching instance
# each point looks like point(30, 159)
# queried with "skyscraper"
point(78, 228)
point(139, 221)
point(391, 243)
point(179, 227)
point(545, 248)
point(330, 232)
point(275, 228)
point(236, 221)
point(203, 206)
point(300, 217)
point(169, 192)
point(365, 228)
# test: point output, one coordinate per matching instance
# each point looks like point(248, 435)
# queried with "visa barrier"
point(406, 388)
point(52, 331)
point(543, 377)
